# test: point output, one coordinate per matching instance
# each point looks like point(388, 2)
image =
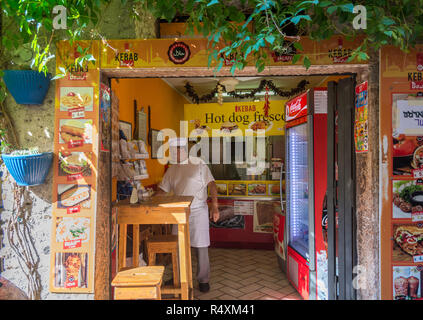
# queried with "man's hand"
point(214, 213)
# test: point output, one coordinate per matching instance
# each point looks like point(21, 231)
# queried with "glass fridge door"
point(297, 188)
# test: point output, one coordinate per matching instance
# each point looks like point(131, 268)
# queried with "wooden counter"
point(160, 210)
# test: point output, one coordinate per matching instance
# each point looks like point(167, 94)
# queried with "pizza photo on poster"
point(407, 242)
point(179, 52)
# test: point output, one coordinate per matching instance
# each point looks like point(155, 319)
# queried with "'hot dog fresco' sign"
point(231, 116)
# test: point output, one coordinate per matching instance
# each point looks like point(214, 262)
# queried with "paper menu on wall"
point(409, 117)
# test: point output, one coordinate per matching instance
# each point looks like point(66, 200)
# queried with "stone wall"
point(34, 126)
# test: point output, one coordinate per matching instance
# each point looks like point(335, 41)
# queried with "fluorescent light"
point(225, 94)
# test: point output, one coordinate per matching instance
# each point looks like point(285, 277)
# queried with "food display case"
point(248, 202)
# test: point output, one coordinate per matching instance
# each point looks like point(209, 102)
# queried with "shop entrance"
point(249, 245)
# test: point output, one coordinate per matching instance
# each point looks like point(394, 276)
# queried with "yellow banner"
point(231, 116)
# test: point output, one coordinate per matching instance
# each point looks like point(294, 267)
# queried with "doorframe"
point(360, 71)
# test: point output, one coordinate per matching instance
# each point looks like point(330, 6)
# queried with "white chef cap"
point(178, 142)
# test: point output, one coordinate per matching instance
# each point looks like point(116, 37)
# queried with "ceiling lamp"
point(229, 84)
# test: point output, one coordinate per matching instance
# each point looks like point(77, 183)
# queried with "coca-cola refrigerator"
point(306, 179)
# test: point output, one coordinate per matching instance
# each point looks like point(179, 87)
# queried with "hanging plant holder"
point(28, 170)
point(27, 86)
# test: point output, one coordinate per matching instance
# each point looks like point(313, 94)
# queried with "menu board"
point(76, 146)
point(401, 128)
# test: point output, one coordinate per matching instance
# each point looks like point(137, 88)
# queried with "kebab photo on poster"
point(407, 197)
point(406, 282)
point(71, 270)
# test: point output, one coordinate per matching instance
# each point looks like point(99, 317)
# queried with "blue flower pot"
point(28, 170)
point(27, 86)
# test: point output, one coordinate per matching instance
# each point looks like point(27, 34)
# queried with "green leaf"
point(212, 3)
point(297, 19)
point(298, 46)
point(270, 39)
point(387, 21)
point(307, 62)
point(347, 7)
point(295, 58)
point(332, 9)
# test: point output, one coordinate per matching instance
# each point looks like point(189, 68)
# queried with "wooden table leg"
point(183, 260)
point(189, 264)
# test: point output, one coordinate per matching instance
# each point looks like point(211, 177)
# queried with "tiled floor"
point(239, 274)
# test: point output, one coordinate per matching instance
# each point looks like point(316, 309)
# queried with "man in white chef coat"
point(191, 177)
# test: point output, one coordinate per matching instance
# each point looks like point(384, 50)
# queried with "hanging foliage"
point(263, 84)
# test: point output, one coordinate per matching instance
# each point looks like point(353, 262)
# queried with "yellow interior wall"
point(332, 78)
point(166, 105)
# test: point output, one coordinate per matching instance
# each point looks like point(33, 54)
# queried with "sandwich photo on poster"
point(71, 270)
point(74, 99)
point(73, 195)
point(407, 282)
point(407, 198)
point(75, 164)
point(222, 189)
point(407, 242)
point(72, 232)
point(75, 133)
point(237, 189)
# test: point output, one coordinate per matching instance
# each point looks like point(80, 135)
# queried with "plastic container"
point(28, 170)
point(27, 86)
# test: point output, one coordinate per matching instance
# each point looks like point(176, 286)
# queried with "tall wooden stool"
point(165, 244)
point(138, 283)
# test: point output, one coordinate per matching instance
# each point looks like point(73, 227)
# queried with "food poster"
point(264, 212)
point(407, 199)
point(71, 271)
point(105, 117)
point(361, 134)
point(76, 147)
point(233, 188)
point(407, 242)
point(235, 117)
point(401, 132)
point(407, 135)
point(227, 217)
point(407, 282)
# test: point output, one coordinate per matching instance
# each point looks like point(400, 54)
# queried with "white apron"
point(199, 230)
point(192, 180)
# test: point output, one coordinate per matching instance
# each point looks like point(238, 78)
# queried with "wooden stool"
point(138, 283)
point(164, 244)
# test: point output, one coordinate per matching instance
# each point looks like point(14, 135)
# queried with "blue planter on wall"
point(27, 86)
point(28, 170)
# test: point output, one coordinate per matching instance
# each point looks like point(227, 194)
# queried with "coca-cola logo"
point(179, 53)
point(295, 106)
